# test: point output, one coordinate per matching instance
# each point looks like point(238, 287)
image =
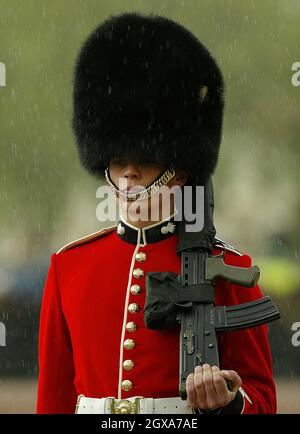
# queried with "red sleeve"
point(248, 353)
point(56, 391)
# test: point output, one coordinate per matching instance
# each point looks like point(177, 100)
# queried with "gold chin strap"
point(144, 194)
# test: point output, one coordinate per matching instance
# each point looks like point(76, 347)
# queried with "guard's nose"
point(132, 172)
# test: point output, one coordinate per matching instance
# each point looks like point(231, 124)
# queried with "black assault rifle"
point(189, 298)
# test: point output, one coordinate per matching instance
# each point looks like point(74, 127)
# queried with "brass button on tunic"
point(131, 327)
point(129, 344)
point(133, 308)
point(141, 256)
point(128, 365)
point(135, 289)
point(126, 385)
point(138, 273)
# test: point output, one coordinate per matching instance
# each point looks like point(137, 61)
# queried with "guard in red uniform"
point(148, 107)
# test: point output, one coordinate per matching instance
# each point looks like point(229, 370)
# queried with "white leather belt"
point(134, 405)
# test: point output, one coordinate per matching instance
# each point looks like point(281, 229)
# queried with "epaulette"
point(225, 246)
point(87, 239)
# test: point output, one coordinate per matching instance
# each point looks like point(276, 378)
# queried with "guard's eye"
point(119, 162)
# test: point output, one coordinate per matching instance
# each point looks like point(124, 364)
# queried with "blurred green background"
point(47, 199)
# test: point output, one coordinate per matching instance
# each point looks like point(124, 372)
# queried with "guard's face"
point(131, 176)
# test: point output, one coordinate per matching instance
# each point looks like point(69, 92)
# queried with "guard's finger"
point(190, 391)
point(219, 382)
point(210, 391)
point(234, 377)
point(199, 387)
point(224, 396)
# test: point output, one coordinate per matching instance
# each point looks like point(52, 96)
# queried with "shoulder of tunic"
point(87, 239)
point(225, 246)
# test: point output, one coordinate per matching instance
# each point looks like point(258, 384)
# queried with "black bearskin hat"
point(146, 87)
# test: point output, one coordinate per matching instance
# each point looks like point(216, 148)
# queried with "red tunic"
point(83, 327)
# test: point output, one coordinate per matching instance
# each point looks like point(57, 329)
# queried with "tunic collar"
point(158, 231)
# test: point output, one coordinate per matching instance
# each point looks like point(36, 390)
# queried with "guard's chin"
point(136, 211)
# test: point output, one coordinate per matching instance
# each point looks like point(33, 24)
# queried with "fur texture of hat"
point(147, 88)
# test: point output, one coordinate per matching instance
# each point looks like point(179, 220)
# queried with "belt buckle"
point(125, 406)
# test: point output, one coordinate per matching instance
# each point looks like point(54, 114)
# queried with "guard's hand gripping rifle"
point(189, 298)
